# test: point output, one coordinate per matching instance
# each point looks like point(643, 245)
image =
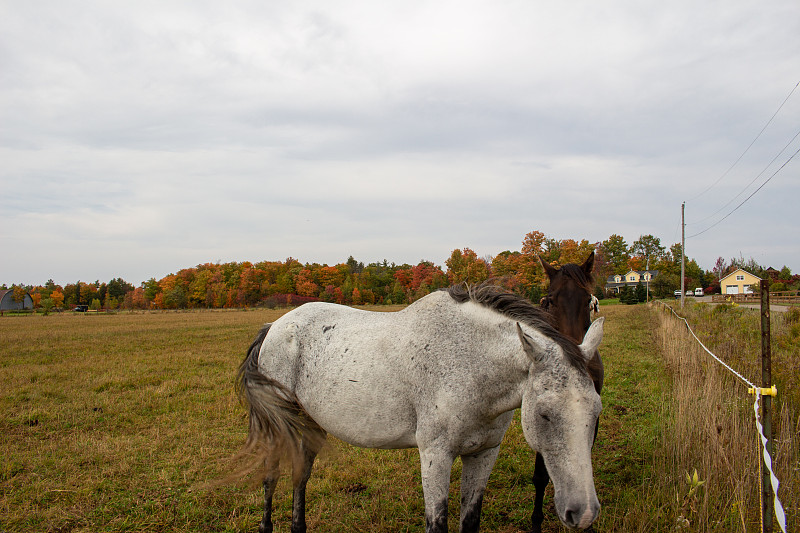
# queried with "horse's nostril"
point(570, 518)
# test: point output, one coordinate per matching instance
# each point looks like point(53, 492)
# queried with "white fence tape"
point(780, 515)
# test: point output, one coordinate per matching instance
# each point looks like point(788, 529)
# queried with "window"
point(647, 277)
point(617, 279)
point(632, 278)
point(739, 277)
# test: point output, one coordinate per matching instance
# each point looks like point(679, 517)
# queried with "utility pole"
point(683, 252)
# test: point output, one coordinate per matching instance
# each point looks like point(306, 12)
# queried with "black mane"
point(520, 309)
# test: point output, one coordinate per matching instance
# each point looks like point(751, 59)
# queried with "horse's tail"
point(278, 423)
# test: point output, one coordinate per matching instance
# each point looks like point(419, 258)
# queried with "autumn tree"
point(572, 251)
point(419, 280)
point(534, 244)
point(507, 267)
point(465, 266)
point(249, 290)
point(305, 284)
point(356, 297)
point(18, 294)
point(332, 276)
point(58, 298)
point(198, 289)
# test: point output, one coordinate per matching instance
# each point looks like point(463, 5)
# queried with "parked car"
point(677, 294)
point(81, 308)
point(699, 291)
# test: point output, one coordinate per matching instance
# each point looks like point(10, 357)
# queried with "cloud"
point(138, 139)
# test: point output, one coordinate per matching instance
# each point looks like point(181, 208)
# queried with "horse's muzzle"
point(580, 515)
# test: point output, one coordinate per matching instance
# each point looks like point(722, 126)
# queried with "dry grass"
point(710, 421)
point(116, 423)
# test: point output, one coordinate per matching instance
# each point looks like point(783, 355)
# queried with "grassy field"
point(119, 422)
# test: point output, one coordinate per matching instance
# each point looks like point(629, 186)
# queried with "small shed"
point(7, 302)
point(738, 282)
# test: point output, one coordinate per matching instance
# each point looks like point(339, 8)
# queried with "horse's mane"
point(520, 309)
point(576, 274)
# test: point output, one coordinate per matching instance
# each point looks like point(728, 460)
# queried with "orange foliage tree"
point(290, 281)
point(465, 266)
point(58, 298)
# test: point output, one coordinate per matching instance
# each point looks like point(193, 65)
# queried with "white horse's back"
point(368, 377)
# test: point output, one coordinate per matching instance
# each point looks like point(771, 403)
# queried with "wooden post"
point(683, 251)
point(766, 407)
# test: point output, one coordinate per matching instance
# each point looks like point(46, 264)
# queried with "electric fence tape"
point(780, 515)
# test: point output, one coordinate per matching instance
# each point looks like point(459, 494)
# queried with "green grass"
point(118, 422)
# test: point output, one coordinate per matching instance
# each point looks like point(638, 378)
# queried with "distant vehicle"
point(81, 308)
point(699, 291)
point(689, 293)
point(677, 294)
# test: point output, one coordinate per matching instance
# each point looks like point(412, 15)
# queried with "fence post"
point(766, 407)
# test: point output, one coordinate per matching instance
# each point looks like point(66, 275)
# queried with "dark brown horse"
point(569, 300)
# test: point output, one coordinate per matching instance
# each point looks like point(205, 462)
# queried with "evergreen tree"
point(640, 293)
point(627, 296)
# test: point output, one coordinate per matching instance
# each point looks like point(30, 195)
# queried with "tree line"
point(290, 282)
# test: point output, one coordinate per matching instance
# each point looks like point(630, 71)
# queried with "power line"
point(748, 146)
point(746, 199)
point(749, 184)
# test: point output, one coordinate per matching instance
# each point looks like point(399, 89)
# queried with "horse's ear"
point(544, 303)
point(549, 269)
point(592, 338)
point(588, 265)
point(533, 352)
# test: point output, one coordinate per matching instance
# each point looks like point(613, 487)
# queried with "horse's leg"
point(475, 473)
point(436, 465)
point(540, 480)
point(301, 472)
point(273, 473)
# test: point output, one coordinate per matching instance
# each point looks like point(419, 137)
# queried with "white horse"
point(443, 375)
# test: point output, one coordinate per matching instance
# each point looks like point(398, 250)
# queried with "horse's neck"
point(499, 351)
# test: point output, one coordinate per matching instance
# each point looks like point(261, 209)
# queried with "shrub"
point(792, 316)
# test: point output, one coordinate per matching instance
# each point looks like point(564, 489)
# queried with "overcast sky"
point(140, 138)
